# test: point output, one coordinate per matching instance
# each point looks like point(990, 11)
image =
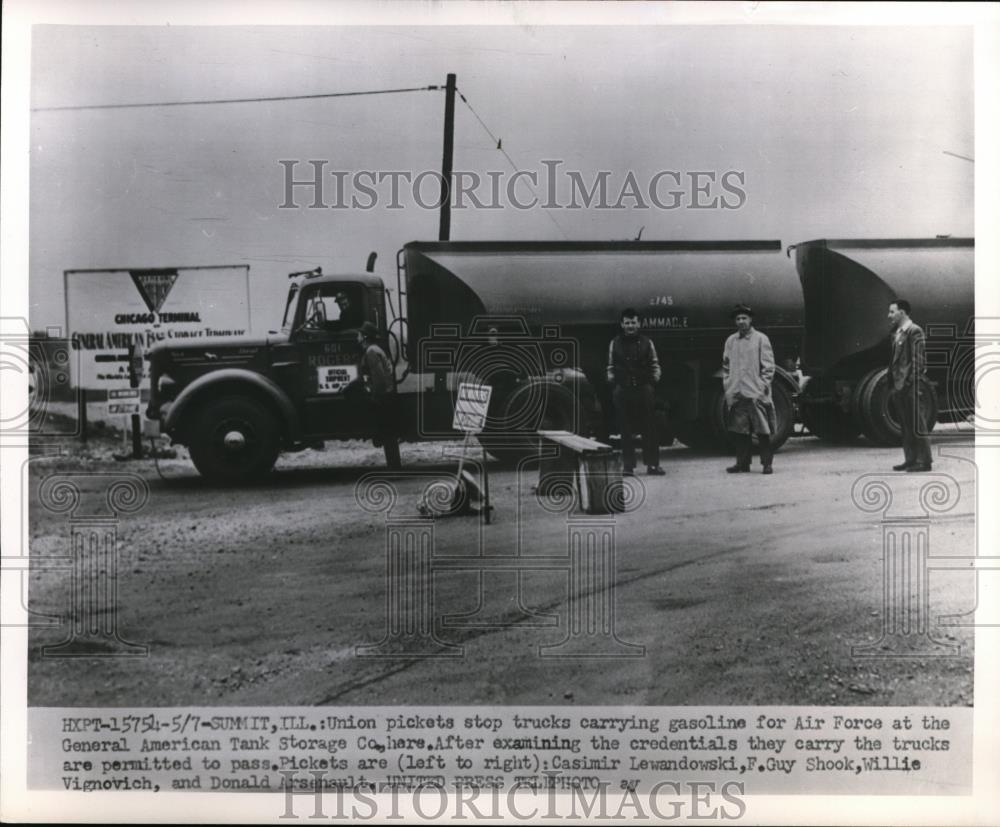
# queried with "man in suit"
point(907, 369)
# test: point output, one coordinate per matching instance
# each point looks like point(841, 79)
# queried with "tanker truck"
point(847, 286)
point(530, 319)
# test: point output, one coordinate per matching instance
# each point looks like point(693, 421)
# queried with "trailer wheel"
point(784, 413)
point(234, 439)
point(827, 421)
point(711, 432)
point(510, 448)
point(879, 420)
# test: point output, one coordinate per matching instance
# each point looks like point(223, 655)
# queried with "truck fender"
point(574, 378)
point(233, 376)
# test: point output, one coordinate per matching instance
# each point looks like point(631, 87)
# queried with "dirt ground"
point(742, 589)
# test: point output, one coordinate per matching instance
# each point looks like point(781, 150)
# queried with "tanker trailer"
point(847, 286)
point(572, 292)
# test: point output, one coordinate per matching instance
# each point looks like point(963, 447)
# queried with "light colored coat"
point(747, 367)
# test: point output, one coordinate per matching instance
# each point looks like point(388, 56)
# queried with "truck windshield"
point(290, 307)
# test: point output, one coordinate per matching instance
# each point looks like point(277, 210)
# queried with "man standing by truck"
point(633, 369)
point(907, 369)
point(747, 373)
point(381, 381)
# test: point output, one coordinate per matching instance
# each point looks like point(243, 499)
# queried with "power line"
point(499, 147)
point(233, 100)
point(956, 155)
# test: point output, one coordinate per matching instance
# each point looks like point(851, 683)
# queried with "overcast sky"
point(840, 132)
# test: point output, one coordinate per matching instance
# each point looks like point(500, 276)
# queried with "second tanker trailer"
point(847, 287)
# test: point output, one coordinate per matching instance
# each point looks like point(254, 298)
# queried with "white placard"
point(471, 405)
point(123, 401)
point(334, 378)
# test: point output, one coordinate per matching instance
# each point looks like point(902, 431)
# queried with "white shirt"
point(906, 325)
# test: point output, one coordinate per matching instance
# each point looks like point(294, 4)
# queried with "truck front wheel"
point(234, 439)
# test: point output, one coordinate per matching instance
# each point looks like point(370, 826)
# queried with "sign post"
point(471, 406)
point(134, 379)
point(125, 402)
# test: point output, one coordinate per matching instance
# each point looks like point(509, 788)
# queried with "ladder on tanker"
point(400, 317)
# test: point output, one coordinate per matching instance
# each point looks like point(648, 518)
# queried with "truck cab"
point(237, 403)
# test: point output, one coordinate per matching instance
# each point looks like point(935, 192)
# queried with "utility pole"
point(444, 231)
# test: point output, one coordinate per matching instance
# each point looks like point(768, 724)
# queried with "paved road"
point(726, 589)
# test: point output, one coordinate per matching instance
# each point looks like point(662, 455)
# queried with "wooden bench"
point(591, 468)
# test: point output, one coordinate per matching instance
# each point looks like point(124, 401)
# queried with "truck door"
point(326, 341)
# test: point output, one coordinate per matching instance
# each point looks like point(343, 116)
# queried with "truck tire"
point(235, 438)
point(878, 417)
point(827, 421)
point(510, 449)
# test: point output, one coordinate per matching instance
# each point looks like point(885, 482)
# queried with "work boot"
point(766, 454)
point(743, 449)
point(655, 471)
point(903, 466)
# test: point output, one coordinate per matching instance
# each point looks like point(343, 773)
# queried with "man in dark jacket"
point(379, 377)
point(633, 369)
point(907, 371)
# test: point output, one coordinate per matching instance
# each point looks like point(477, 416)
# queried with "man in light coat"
point(907, 371)
point(747, 373)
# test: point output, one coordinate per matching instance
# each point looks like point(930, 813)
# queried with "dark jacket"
point(632, 361)
point(377, 367)
point(908, 363)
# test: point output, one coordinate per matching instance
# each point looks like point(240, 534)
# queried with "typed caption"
point(770, 750)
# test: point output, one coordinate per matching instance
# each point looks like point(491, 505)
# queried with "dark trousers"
point(744, 449)
point(384, 417)
point(634, 407)
point(916, 445)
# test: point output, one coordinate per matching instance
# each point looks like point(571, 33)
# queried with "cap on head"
point(368, 330)
point(742, 310)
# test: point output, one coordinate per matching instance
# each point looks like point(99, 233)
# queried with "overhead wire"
point(499, 146)
point(498, 142)
point(234, 100)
